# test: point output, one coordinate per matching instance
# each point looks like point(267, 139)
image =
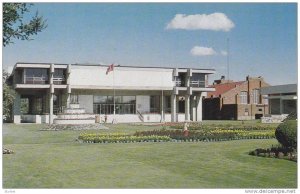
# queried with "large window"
point(255, 96)
point(180, 80)
point(123, 104)
point(74, 99)
point(36, 76)
point(24, 106)
point(167, 105)
point(265, 99)
point(198, 80)
point(244, 97)
point(59, 76)
point(154, 104)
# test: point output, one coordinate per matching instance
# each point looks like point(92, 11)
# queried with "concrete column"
point(173, 108)
point(51, 94)
point(68, 100)
point(187, 108)
point(68, 72)
point(68, 85)
point(30, 105)
point(16, 108)
point(51, 108)
point(269, 106)
point(199, 107)
point(162, 107)
point(193, 109)
point(188, 78)
point(281, 106)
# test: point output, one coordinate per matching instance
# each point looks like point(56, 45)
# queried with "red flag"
point(110, 68)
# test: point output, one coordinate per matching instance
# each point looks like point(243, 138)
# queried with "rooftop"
point(279, 89)
point(102, 65)
point(223, 88)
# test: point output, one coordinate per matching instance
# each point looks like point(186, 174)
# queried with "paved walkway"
point(74, 127)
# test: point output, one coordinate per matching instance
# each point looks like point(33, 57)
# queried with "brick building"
point(239, 100)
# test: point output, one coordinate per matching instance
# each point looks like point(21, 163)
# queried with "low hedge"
point(198, 126)
point(213, 135)
point(120, 138)
point(276, 152)
point(175, 135)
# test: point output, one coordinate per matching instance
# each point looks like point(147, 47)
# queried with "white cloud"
point(202, 51)
point(224, 53)
point(215, 21)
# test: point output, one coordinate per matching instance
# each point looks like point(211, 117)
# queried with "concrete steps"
point(74, 111)
point(74, 121)
point(74, 115)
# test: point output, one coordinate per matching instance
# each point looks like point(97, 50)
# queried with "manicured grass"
point(53, 159)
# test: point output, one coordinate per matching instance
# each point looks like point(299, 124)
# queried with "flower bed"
point(276, 152)
point(120, 138)
point(213, 135)
point(175, 135)
point(200, 126)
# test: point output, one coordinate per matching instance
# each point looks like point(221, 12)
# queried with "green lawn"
point(53, 159)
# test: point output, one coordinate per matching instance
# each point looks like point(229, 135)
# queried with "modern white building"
point(79, 93)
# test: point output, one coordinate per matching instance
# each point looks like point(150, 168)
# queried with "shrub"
point(120, 138)
point(276, 152)
point(280, 155)
point(209, 127)
point(211, 135)
point(286, 134)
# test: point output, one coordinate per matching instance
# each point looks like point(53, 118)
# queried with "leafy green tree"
point(8, 97)
point(14, 26)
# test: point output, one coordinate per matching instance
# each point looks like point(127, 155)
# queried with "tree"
point(14, 26)
point(8, 97)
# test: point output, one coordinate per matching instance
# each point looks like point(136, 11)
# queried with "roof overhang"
point(280, 89)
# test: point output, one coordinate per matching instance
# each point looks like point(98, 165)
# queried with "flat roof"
point(279, 89)
point(101, 65)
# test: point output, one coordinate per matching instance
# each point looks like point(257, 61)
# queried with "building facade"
point(282, 101)
point(239, 100)
point(126, 94)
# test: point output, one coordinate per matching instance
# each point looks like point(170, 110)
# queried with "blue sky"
point(262, 37)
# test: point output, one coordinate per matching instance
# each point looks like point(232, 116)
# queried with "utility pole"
point(228, 59)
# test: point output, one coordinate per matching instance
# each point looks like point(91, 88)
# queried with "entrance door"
point(57, 103)
point(181, 106)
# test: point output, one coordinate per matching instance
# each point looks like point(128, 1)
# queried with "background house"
point(236, 100)
point(282, 101)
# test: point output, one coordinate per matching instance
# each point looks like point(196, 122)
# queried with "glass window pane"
point(74, 99)
point(244, 98)
point(154, 104)
point(59, 73)
point(198, 76)
point(128, 99)
point(118, 99)
point(100, 99)
point(123, 104)
point(29, 72)
point(110, 99)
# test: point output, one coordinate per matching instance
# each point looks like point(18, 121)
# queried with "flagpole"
point(162, 107)
point(114, 93)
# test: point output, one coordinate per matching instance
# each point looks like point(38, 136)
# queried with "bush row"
point(175, 135)
point(276, 152)
point(210, 135)
point(196, 126)
point(120, 138)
